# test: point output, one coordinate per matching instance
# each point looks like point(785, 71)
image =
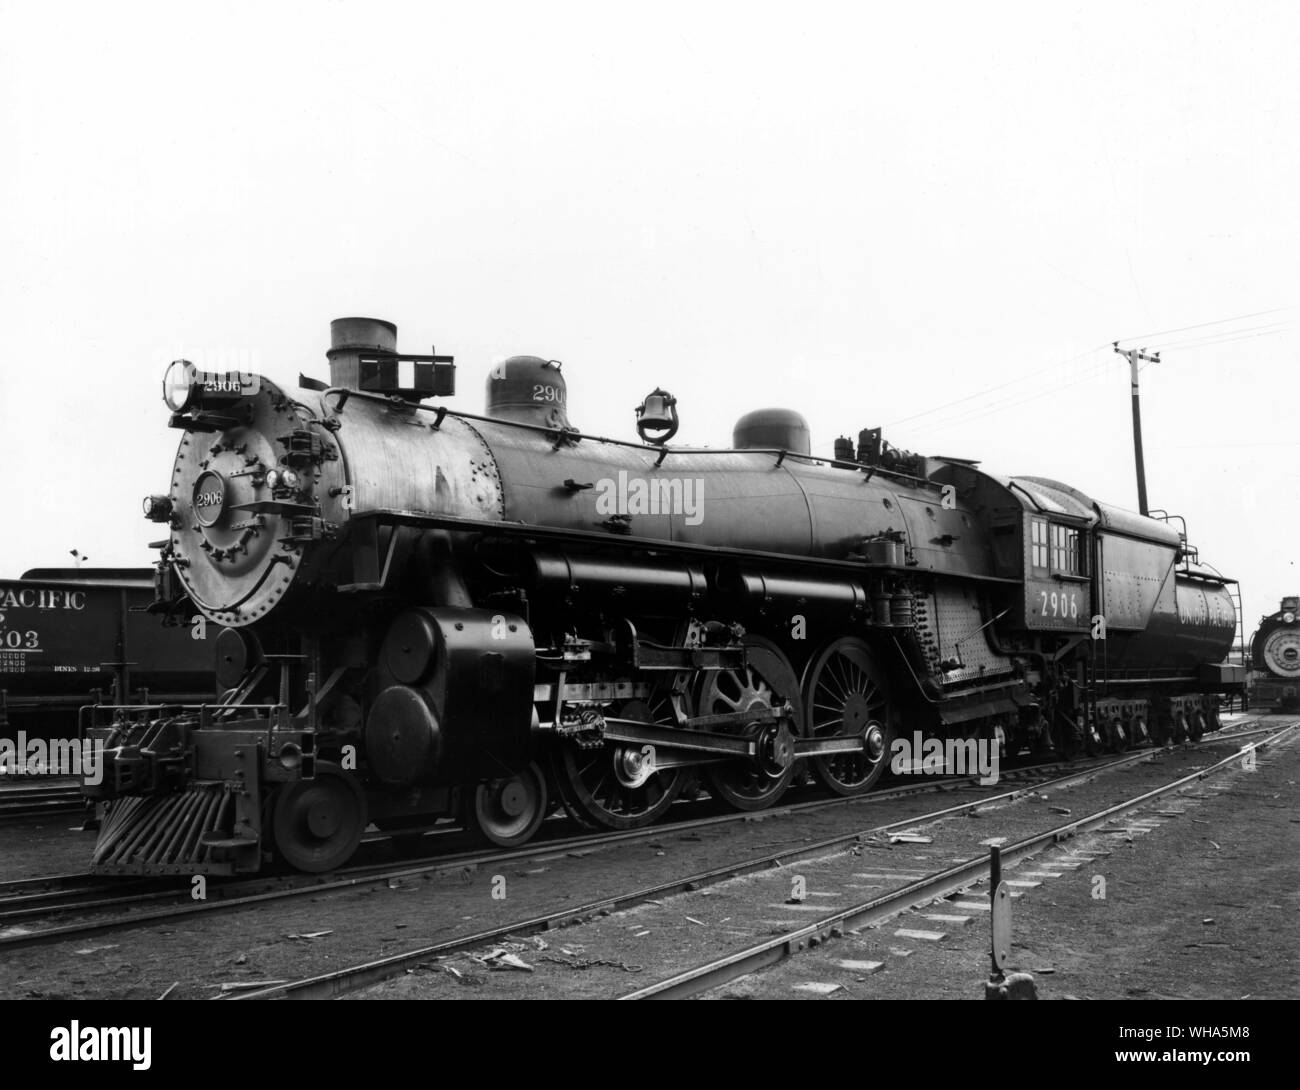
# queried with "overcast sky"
point(932, 217)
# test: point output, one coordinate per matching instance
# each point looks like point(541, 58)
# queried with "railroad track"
point(923, 891)
point(342, 981)
point(31, 801)
point(56, 896)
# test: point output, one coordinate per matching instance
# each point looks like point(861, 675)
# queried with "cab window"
point(1038, 533)
point(1067, 550)
point(1056, 548)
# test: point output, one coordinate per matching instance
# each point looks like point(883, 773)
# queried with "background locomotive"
point(436, 613)
point(1274, 659)
point(70, 637)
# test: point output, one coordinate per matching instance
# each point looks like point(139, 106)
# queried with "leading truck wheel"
point(766, 681)
point(318, 823)
point(845, 693)
point(508, 811)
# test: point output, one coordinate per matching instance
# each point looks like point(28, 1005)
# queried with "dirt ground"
point(1207, 906)
point(1196, 905)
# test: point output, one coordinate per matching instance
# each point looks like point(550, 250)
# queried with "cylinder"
point(350, 339)
point(403, 737)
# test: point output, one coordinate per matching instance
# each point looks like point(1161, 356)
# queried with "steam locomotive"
point(1274, 657)
point(430, 613)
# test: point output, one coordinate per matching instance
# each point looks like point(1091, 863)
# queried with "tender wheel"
point(1067, 735)
point(1002, 742)
point(318, 823)
point(1093, 743)
point(619, 786)
point(1180, 729)
point(845, 692)
point(766, 681)
point(507, 812)
point(1116, 735)
point(1137, 731)
point(1195, 726)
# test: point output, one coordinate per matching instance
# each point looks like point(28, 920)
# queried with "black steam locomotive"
point(1274, 658)
point(431, 613)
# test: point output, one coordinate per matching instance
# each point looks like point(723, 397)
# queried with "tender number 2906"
point(1060, 604)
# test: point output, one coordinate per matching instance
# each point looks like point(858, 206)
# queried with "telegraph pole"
point(1133, 355)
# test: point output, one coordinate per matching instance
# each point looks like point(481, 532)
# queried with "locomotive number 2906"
point(1059, 605)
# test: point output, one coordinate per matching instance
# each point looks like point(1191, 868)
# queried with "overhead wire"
point(1096, 371)
point(980, 411)
point(1226, 337)
point(1203, 325)
point(993, 389)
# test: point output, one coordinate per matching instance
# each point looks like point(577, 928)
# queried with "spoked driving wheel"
point(767, 681)
point(845, 693)
point(508, 811)
point(616, 785)
point(318, 823)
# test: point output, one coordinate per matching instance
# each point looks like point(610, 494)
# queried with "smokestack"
point(350, 339)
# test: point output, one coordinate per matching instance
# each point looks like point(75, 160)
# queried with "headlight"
point(158, 508)
point(283, 478)
point(179, 383)
point(1288, 618)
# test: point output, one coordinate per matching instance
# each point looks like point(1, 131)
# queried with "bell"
point(657, 413)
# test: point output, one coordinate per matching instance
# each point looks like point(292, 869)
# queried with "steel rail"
point(957, 877)
point(341, 981)
point(362, 876)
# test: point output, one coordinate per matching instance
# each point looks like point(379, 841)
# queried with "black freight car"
point(71, 637)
